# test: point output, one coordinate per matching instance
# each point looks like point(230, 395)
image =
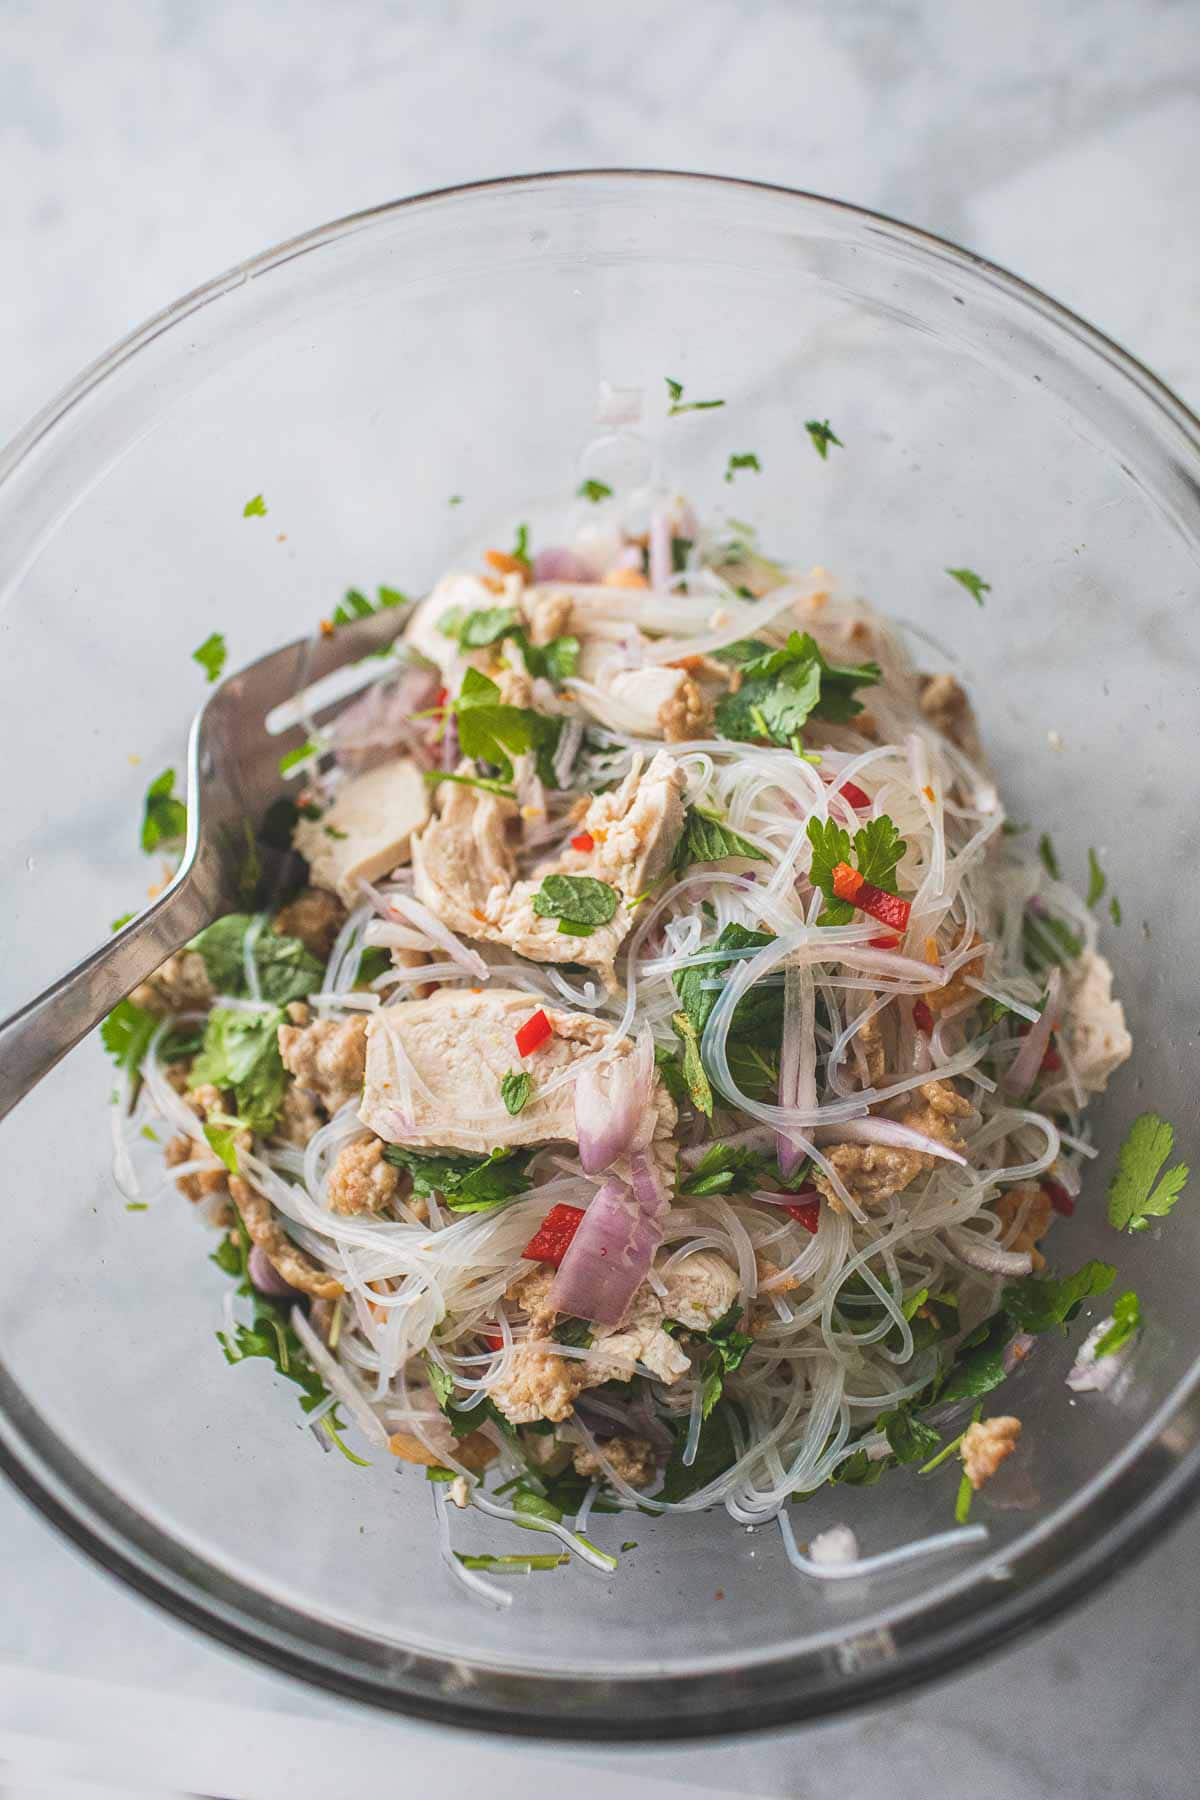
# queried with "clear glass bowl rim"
point(1118, 1515)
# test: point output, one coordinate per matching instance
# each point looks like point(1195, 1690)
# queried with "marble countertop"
point(147, 144)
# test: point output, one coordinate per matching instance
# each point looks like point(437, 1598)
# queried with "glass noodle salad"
point(647, 1066)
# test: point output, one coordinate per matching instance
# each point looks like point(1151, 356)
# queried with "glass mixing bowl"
point(453, 345)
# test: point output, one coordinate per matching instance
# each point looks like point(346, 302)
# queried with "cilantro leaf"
point(286, 970)
point(292, 758)
point(479, 629)
point(730, 1344)
point(164, 818)
point(822, 436)
point(1047, 939)
point(1097, 879)
point(909, 1438)
point(515, 1090)
point(706, 838)
point(126, 1034)
point(978, 1364)
point(576, 900)
point(975, 585)
point(355, 605)
point(240, 1052)
point(465, 1183)
point(1114, 910)
point(878, 847)
point(1133, 1196)
point(494, 732)
point(782, 688)
point(558, 659)
point(716, 1451)
point(1127, 1318)
point(222, 1140)
point(255, 509)
point(830, 846)
point(1039, 1302)
point(211, 655)
point(727, 1168)
point(595, 491)
point(749, 461)
point(119, 924)
point(679, 405)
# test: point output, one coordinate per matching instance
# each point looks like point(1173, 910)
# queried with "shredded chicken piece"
point(1096, 1037)
point(180, 985)
point(329, 1057)
point(687, 714)
point(360, 1181)
point(547, 614)
point(875, 1172)
point(700, 1289)
point(286, 1258)
point(944, 703)
point(1032, 1203)
point(315, 916)
point(985, 1446)
point(632, 1457)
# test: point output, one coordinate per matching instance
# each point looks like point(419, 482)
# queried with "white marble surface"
point(144, 147)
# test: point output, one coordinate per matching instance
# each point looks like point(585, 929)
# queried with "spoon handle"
point(38, 1036)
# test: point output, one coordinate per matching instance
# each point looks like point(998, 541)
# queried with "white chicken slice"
point(367, 830)
point(1097, 1039)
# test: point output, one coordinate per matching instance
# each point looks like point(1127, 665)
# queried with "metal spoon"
point(233, 775)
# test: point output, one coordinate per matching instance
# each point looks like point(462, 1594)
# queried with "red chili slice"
point(584, 841)
point(883, 943)
point(889, 909)
point(853, 794)
point(551, 1241)
point(1051, 1062)
point(443, 694)
point(806, 1210)
point(493, 1340)
point(922, 1017)
point(1060, 1200)
point(536, 1029)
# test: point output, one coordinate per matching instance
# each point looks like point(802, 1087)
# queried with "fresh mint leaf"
point(1136, 1194)
point(909, 1438)
point(559, 659)
point(975, 585)
point(576, 900)
point(706, 838)
point(670, 1072)
point(119, 924)
point(978, 1364)
point(1039, 1302)
point(494, 732)
point(575, 1332)
point(211, 655)
point(164, 817)
point(822, 435)
point(515, 1090)
point(715, 1452)
point(594, 491)
point(126, 1034)
point(286, 970)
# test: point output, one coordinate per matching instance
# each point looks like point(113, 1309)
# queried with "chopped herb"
point(670, 1071)
point(355, 604)
point(629, 1544)
point(729, 1347)
point(1047, 939)
point(240, 1052)
point(494, 732)
point(292, 758)
point(119, 924)
point(221, 1139)
point(211, 655)
point(707, 839)
point(978, 1364)
point(878, 848)
point(574, 1332)
point(331, 831)
point(679, 405)
point(1127, 1318)
point(1039, 1302)
point(512, 1565)
point(756, 1071)
point(909, 1438)
point(455, 500)
point(373, 961)
point(975, 585)
point(963, 1499)
point(515, 1090)
point(483, 782)
point(1012, 827)
point(822, 436)
point(680, 551)
point(1114, 910)
point(576, 900)
point(475, 630)
point(1049, 856)
point(749, 461)
point(136, 1206)
point(1097, 880)
point(164, 818)
point(126, 1034)
point(255, 509)
point(694, 1077)
point(727, 1168)
point(594, 491)
point(1136, 1193)
point(286, 969)
point(715, 1452)
point(755, 1025)
point(781, 689)
point(559, 659)
point(465, 1183)
point(520, 549)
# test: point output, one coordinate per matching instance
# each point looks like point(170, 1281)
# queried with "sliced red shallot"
point(887, 1131)
point(379, 722)
point(980, 1253)
point(613, 1107)
point(560, 564)
point(1022, 1072)
point(660, 548)
point(612, 1250)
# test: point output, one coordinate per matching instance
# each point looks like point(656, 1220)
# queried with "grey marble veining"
point(144, 147)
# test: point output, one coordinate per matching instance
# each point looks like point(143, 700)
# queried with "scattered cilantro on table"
point(211, 655)
point(1137, 1193)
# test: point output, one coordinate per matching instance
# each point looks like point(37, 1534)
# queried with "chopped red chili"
point(1060, 1200)
point(493, 1340)
point(551, 1241)
point(584, 841)
point(536, 1029)
point(883, 943)
point(443, 694)
point(1051, 1062)
point(889, 909)
point(853, 794)
point(922, 1017)
point(806, 1209)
